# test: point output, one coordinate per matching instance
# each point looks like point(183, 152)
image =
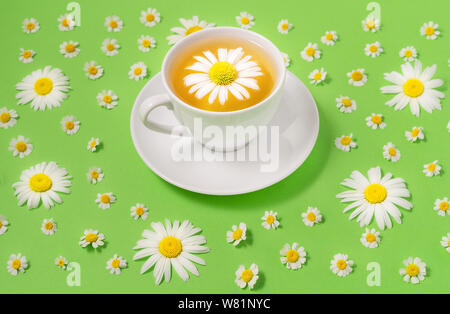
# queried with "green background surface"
point(315, 183)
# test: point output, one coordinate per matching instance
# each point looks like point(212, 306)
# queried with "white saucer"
point(298, 121)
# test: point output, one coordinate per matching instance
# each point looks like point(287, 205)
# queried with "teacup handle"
point(151, 103)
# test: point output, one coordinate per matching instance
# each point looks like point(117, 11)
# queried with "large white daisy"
point(41, 182)
point(375, 196)
point(415, 88)
point(171, 246)
point(45, 88)
point(189, 27)
point(230, 71)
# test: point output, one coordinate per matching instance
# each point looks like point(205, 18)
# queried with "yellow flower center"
point(115, 263)
point(357, 76)
point(61, 263)
point(237, 234)
point(375, 193)
point(110, 47)
point(40, 183)
point(415, 132)
point(70, 48)
point(329, 36)
point(222, 73)
point(16, 264)
point(70, 125)
point(30, 26)
point(170, 247)
point(91, 237)
point(43, 86)
point(413, 88)
point(317, 76)
point(65, 22)
point(5, 117)
point(376, 119)
point(21, 146)
point(107, 99)
point(93, 70)
point(370, 237)
point(245, 20)
point(408, 53)
point(285, 26)
point(346, 140)
point(341, 264)
point(270, 219)
point(247, 275)
point(149, 17)
point(105, 199)
point(310, 51)
point(346, 102)
point(370, 24)
point(412, 270)
point(146, 43)
point(311, 216)
point(113, 24)
point(1, 224)
point(392, 151)
point(431, 167)
point(137, 71)
point(429, 30)
point(373, 48)
point(139, 211)
point(193, 29)
point(26, 54)
point(444, 206)
point(94, 174)
point(292, 256)
point(48, 226)
point(92, 144)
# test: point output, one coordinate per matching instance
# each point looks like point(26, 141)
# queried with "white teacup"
point(188, 116)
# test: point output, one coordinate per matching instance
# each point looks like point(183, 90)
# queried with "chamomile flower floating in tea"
point(329, 38)
point(415, 270)
point(26, 55)
point(146, 42)
point(284, 26)
point(137, 71)
point(373, 50)
point(17, 263)
point(310, 52)
point(442, 206)
point(66, 22)
point(375, 196)
point(93, 143)
point(189, 27)
point(93, 238)
point(371, 24)
point(3, 225)
point(245, 20)
point(61, 262)
point(171, 246)
point(286, 59)
point(230, 72)
point(247, 276)
point(311, 217)
point(107, 99)
point(69, 49)
point(150, 17)
point(414, 88)
point(370, 238)
point(270, 220)
point(30, 25)
point(415, 134)
point(357, 77)
point(105, 200)
point(432, 169)
point(110, 47)
point(446, 242)
point(293, 257)
point(42, 182)
point(48, 227)
point(116, 264)
point(317, 76)
point(345, 104)
point(139, 211)
point(345, 142)
point(430, 30)
point(408, 53)
point(70, 125)
point(44, 88)
point(95, 175)
point(20, 146)
point(93, 70)
point(8, 118)
point(375, 121)
point(237, 234)
point(341, 265)
point(390, 152)
point(113, 23)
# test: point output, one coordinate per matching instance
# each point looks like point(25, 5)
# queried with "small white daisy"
point(311, 217)
point(61, 262)
point(113, 23)
point(310, 52)
point(245, 20)
point(270, 220)
point(345, 142)
point(3, 224)
point(375, 121)
point(105, 200)
point(430, 30)
point(442, 206)
point(66, 22)
point(150, 17)
point(284, 26)
point(107, 99)
point(345, 104)
point(69, 49)
point(414, 134)
point(20, 146)
point(110, 47)
point(246, 277)
point(26, 55)
point(293, 257)
point(93, 70)
point(8, 118)
point(432, 169)
point(146, 42)
point(415, 270)
point(370, 238)
point(329, 38)
point(137, 71)
point(17, 263)
point(30, 25)
point(139, 211)
point(286, 59)
point(95, 175)
point(93, 238)
point(116, 264)
point(341, 265)
point(93, 143)
point(189, 26)
point(317, 76)
point(357, 77)
point(390, 152)
point(446, 242)
point(373, 50)
point(70, 124)
point(49, 227)
point(408, 53)
point(237, 234)
point(371, 24)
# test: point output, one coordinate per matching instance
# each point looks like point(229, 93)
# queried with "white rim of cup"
point(202, 33)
